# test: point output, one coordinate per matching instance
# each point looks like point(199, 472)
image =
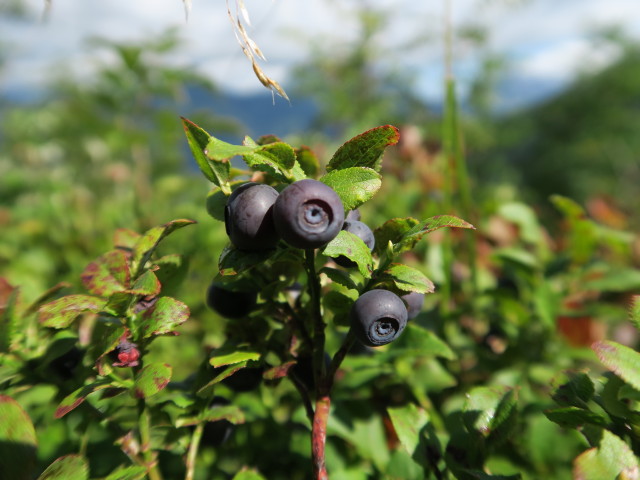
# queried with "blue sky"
point(545, 40)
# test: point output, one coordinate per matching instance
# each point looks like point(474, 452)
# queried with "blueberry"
point(218, 432)
point(378, 317)
point(229, 303)
point(363, 232)
point(352, 215)
point(413, 301)
point(248, 217)
point(308, 214)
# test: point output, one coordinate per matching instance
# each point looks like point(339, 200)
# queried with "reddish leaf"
point(152, 379)
point(62, 312)
point(147, 243)
point(108, 274)
point(75, 398)
point(365, 150)
point(167, 314)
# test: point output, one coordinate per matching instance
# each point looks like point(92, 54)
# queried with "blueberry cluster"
point(307, 214)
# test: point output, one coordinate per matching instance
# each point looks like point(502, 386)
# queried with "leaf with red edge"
point(69, 467)
point(125, 238)
point(75, 398)
point(62, 312)
point(153, 378)
point(161, 319)
point(147, 243)
point(18, 442)
point(365, 150)
point(108, 274)
point(621, 360)
point(279, 371)
point(146, 284)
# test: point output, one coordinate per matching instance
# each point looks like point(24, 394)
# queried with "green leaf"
point(365, 150)
point(18, 443)
point(230, 413)
point(574, 417)
point(576, 391)
point(125, 238)
point(635, 311)
point(108, 274)
point(219, 150)
point(491, 412)
point(62, 312)
point(222, 358)
point(146, 284)
point(234, 262)
point(226, 373)
point(406, 279)
point(248, 475)
point(392, 231)
point(162, 319)
point(43, 298)
point(75, 398)
point(353, 185)
point(415, 234)
point(614, 280)
point(347, 244)
point(153, 378)
point(69, 467)
point(133, 472)
point(408, 422)
point(611, 459)
point(198, 141)
point(277, 159)
point(340, 277)
point(308, 161)
point(621, 360)
point(148, 242)
point(418, 341)
point(10, 324)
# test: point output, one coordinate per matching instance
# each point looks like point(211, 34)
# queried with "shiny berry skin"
point(308, 214)
point(362, 231)
point(230, 304)
point(378, 317)
point(248, 217)
point(413, 301)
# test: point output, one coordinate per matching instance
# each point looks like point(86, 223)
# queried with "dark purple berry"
point(230, 303)
point(378, 317)
point(362, 231)
point(352, 215)
point(248, 217)
point(413, 301)
point(308, 214)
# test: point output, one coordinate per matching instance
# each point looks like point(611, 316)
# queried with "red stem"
point(319, 436)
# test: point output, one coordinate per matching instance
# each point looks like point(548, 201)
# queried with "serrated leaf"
point(18, 442)
point(353, 185)
point(163, 318)
point(62, 312)
point(392, 231)
point(69, 467)
point(147, 243)
point(219, 150)
point(576, 391)
point(349, 245)
point(75, 398)
point(108, 274)
point(611, 459)
point(230, 413)
point(621, 360)
point(574, 417)
point(408, 422)
point(365, 150)
point(152, 379)
point(407, 279)
point(415, 234)
point(198, 140)
point(226, 373)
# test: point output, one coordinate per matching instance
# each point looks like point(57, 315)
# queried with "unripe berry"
point(378, 317)
point(308, 214)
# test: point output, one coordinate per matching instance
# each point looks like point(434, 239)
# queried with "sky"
point(545, 41)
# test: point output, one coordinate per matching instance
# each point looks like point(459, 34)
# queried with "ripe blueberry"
point(228, 303)
point(308, 214)
point(248, 217)
point(363, 232)
point(352, 215)
point(378, 317)
point(413, 301)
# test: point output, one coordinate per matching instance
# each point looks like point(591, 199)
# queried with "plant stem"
point(319, 436)
point(193, 451)
point(316, 316)
point(144, 424)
